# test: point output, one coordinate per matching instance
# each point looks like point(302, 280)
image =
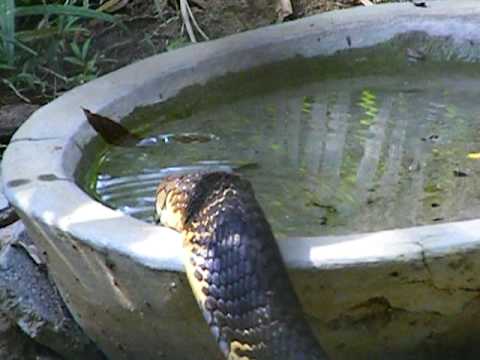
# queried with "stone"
point(11, 117)
point(29, 300)
point(8, 234)
point(15, 345)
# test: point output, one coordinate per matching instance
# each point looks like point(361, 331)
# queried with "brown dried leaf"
point(112, 132)
point(284, 9)
point(111, 6)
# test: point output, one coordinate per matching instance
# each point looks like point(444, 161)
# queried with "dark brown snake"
point(235, 268)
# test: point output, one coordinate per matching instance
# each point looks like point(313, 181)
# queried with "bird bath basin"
point(410, 292)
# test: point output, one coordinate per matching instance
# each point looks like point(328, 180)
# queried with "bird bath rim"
point(56, 209)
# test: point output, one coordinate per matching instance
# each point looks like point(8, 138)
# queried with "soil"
point(152, 30)
point(156, 26)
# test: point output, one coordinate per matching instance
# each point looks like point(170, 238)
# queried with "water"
point(325, 156)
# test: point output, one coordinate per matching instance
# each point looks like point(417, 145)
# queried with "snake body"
point(235, 268)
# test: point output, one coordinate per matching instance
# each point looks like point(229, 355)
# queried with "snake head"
point(180, 197)
point(170, 203)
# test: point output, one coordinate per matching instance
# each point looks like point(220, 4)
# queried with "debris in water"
point(474, 155)
point(414, 55)
point(110, 131)
point(420, 3)
point(459, 173)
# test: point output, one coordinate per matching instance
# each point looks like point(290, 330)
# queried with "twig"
point(157, 31)
point(141, 17)
point(187, 15)
point(117, 45)
point(205, 37)
point(186, 20)
point(112, 5)
point(55, 74)
point(366, 2)
point(16, 91)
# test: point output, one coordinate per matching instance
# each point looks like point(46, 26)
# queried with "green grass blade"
point(6, 67)
point(36, 35)
point(20, 45)
point(7, 28)
point(68, 10)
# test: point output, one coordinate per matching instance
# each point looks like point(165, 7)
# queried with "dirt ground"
point(152, 30)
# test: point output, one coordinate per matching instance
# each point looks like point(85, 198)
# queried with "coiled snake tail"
point(235, 268)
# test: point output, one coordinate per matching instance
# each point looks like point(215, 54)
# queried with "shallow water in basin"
point(324, 156)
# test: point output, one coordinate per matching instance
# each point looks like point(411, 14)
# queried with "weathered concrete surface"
point(410, 293)
point(32, 303)
point(33, 318)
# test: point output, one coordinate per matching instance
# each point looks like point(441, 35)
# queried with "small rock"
point(30, 300)
point(9, 233)
point(14, 345)
point(11, 117)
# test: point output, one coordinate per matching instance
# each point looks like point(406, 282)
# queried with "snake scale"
point(235, 268)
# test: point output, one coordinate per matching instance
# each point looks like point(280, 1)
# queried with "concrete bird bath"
point(405, 293)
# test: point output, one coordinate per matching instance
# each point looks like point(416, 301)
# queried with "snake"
point(235, 268)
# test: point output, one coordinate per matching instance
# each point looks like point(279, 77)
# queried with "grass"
point(46, 48)
point(50, 46)
point(7, 26)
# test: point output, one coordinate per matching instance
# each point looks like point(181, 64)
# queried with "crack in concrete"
point(53, 177)
point(31, 139)
point(431, 280)
point(376, 311)
point(467, 289)
point(430, 272)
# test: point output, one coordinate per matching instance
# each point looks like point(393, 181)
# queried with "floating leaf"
point(68, 10)
point(474, 155)
point(330, 209)
point(112, 132)
point(246, 165)
point(459, 173)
